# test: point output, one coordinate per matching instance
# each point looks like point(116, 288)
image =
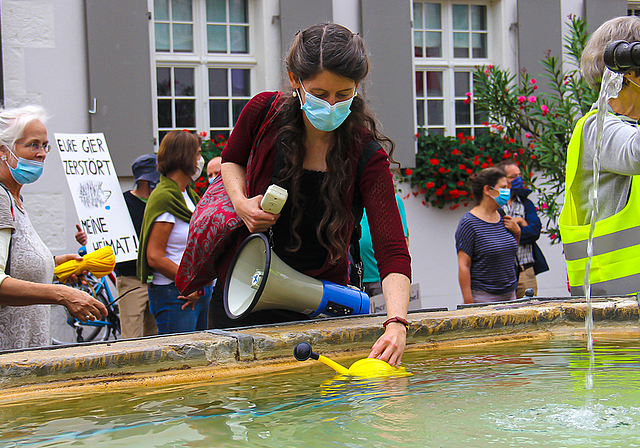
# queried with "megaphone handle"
point(334, 365)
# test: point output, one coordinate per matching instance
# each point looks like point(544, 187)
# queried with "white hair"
point(13, 122)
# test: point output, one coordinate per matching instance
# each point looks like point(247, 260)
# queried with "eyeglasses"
point(35, 147)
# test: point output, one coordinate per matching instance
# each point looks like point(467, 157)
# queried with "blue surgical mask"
point(26, 171)
point(517, 183)
point(322, 115)
point(503, 196)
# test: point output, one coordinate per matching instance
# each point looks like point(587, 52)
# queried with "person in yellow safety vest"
point(615, 266)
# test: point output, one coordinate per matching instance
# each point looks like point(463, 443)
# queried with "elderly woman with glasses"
point(26, 264)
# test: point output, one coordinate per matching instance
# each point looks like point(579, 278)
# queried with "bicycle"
point(97, 330)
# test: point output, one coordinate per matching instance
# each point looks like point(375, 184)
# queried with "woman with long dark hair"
point(320, 127)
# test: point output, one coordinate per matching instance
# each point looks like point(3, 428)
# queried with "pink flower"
point(467, 100)
point(535, 87)
point(532, 99)
point(545, 110)
point(533, 81)
point(553, 236)
point(544, 206)
point(527, 135)
point(522, 99)
point(468, 94)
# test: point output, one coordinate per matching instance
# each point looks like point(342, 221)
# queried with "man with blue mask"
point(523, 212)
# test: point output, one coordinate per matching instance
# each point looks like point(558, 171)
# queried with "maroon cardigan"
point(376, 187)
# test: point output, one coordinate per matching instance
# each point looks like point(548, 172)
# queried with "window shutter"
point(599, 11)
point(387, 32)
point(120, 77)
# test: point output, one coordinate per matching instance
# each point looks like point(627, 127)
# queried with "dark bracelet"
point(396, 319)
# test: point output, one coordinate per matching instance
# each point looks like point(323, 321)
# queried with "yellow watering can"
point(362, 368)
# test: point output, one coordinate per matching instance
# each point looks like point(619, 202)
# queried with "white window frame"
point(449, 65)
point(201, 60)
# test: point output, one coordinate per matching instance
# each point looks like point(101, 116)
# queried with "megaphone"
point(259, 280)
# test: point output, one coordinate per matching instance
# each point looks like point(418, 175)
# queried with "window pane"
point(463, 131)
point(420, 84)
point(460, 45)
point(433, 44)
point(216, 38)
point(479, 45)
point(435, 111)
point(182, 38)
point(478, 17)
point(164, 113)
point(218, 82)
point(163, 75)
point(161, 10)
point(185, 113)
point(162, 37)
point(238, 11)
point(237, 105)
point(184, 84)
point(462, 83)
point(238, 37)
point(219, 113)
point(420, 104)
point(480, 116)
point(463, 112)
point(417, 15)
point(460, 17)
point(216, 11)
point(481, 131)
point(432, 17)
point(181, 10)
point(436, 131)
point(434, 84)
point(240, 82)
point(222, 134)
point(417, 42)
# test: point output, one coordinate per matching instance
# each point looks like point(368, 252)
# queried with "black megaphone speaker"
point(259, 280)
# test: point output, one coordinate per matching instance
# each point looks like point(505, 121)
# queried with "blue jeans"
point(166, 307)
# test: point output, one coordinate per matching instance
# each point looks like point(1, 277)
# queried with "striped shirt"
point(492, 249)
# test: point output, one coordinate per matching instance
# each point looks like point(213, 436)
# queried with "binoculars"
point(621, 56)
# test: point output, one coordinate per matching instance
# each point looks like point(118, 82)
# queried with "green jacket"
point(165, 198)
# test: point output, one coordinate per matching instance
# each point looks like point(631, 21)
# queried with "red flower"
point(429, 185)
point(441, 169)
point(469, 171)
point(476, 162)
point(484, 165)
point(533, 156)
point(460, 184)
point(434, 161)
point(203, 134)
point(462, 167)
point(408, 171)
point(455, 152)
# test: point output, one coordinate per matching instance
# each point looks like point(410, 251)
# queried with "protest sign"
point(96, 194)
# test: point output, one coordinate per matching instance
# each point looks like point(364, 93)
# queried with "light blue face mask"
point(503, 196)
point(26, 171)
point(322, 115)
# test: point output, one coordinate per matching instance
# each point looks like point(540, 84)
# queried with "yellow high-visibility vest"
point(615, 265)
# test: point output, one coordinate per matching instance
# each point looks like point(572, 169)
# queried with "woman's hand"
point(390, 346)
point(81, 305)
point(256, 219)
point(191, 299)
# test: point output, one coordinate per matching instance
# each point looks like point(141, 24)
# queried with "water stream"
point(611, 85)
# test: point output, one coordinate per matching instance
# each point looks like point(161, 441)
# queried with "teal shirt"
point(371, 273)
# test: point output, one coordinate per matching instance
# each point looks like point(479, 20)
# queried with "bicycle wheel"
point(109, 326)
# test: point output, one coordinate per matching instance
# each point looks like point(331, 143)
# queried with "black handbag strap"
point(8, 264)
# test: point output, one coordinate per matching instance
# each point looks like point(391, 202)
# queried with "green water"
point(515, 395)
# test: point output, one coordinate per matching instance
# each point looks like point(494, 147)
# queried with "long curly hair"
point(333, 48)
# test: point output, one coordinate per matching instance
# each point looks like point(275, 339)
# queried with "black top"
point(136, 210)
point(311, 254)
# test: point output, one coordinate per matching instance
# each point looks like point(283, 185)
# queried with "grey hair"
point(13, 122)
point(592, 66)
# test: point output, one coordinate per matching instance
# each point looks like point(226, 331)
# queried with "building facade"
point(136, 69)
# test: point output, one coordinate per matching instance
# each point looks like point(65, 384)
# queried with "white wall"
point(45, 63)
point(434, 258)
